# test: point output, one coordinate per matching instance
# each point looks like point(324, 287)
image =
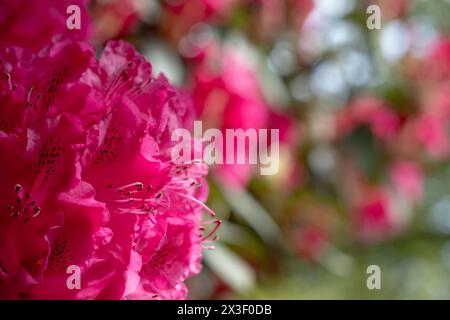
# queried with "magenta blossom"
point(88, 178)
point(34, 86)
point(407, 178)
point(431, 133)
point(182, 15)
point(116, 18)
point(229, 97)
point(371, 112)
point(373, 216)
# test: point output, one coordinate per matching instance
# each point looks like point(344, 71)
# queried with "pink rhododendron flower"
point(291, 172)
point(369, 111)
point(89, 181)
point(311, 242)
point(374, 211)
point(374, 218)
point(34, 24)
point(229, 97)
point(437, 63)
point(378, 214)
point(431, 132)
point(182, 15)
point(115, 18)
point(408, 180)
point(34, 86)
point(45, 168)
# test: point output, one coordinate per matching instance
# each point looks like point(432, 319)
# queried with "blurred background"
point(364, 119)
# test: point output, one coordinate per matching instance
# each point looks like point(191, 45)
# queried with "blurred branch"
point(249, 209)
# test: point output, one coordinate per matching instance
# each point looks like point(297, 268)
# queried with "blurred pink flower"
point(374, 219)
point(371, 112)
point(429, 129)
point(374, 215)
point(439, 104)
point(408, 180)
point(116, 18)
point(436, 65)
point(181, 15)
point(228, 96)
point(291, 173)
point(431, 132)
point(311, 242)
point(34, 24)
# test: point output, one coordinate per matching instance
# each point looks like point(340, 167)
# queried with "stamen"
point(180, 188)
point(134, 184)
point(217, 223)
point(28, 97)
point(204, 206)
point(8, 77)
point(127, 211)
point(130, 200)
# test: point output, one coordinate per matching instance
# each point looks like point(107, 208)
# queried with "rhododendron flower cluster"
point(87, 179)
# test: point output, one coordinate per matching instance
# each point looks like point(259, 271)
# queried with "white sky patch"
point(395, 41)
